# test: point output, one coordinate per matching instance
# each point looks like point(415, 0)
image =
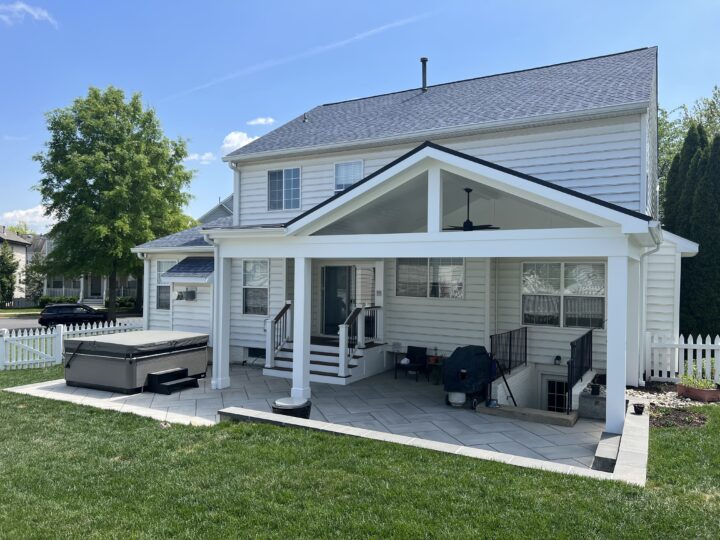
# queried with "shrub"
point(123, 302)
point(694, 382)
point(45, 300)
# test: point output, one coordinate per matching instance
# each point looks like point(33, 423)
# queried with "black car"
point(70, 314)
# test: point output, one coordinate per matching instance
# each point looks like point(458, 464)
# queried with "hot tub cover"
point(140, 343)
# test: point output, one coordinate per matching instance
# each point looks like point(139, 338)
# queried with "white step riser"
point(315, 367)
point(313, 356)
point(313, 378)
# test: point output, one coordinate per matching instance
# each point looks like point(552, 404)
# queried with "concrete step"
point(321, 366)
point(530, 415)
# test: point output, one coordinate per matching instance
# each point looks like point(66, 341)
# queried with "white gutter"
point(456, 131)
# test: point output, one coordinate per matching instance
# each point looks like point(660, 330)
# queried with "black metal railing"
point(352, 330)
point(509, 349)
point(580, 363)
point(280, 327)
point(371, 322)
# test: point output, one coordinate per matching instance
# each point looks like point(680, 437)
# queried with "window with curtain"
point(346, 174)
point(430, 278)
point(284, 189)
point(256, 283)
point(564, 294)
point(162, 300)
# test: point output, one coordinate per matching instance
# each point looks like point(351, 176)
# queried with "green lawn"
point(69, 471)
point(14, 312)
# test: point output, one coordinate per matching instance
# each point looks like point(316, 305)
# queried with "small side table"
point(435, 364)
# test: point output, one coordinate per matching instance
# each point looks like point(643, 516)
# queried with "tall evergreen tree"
point(700, 290)
point(691, 173)
point(675, 184)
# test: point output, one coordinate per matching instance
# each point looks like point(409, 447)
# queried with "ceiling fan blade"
point(487, 227)
point(453, 228)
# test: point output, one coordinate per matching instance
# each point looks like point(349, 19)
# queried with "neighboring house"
point(344, 216)
point(224, 208)
point(19, 245)
point(88, 288)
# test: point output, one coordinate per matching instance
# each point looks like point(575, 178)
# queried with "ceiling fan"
point(468, 225)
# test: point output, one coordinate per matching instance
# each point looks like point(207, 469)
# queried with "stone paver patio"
point(380, 403)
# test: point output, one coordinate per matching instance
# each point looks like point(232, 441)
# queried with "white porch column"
point(82, 290)
point(634, 340)
point(221, 330)
point(301, 328)
point(617, 338)
point(435, 201)
point(146, 292)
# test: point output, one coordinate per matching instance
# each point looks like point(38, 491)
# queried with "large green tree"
point(112, 180)
point(700, 289)
point(8, 270)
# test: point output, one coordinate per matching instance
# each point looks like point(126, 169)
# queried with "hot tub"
point(121, 362)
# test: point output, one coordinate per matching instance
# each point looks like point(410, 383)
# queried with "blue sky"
point(210, 68)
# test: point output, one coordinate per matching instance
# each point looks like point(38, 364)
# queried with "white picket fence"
point(43, 347)
point(668, 359)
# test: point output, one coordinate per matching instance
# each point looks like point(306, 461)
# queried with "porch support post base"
point(301, 328)
point(617, 339)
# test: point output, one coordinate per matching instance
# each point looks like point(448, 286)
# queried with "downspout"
point(655, 229)
point(146, 289)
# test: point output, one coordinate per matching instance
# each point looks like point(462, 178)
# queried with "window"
point(256, 281)
point(284, 189)
point(557, 396)
point(163, 291)
point(569, 293)
point(346, 174)
point(430, 278)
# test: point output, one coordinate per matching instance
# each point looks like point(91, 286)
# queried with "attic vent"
point(423, 61)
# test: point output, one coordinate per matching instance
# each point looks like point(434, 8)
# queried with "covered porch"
point(411, 210)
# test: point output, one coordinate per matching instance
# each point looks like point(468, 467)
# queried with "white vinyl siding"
point(192, 315)
point(249, 330)
point(599, 158)
point(445, 323)
point(662, 294)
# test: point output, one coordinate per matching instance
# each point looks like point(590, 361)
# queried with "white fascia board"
point(188, 249)
point(189, 280)
point(581, 242)
point(458, 131)
point(686, 247)
point(216, 234)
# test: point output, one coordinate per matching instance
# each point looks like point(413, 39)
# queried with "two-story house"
point(439, 217)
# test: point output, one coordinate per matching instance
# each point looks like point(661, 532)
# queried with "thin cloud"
point(203, 159)
point(261, 121)
point(16, 12)
point(235, 140)
point(35, 218)
point(268, 64)
point(13, 138)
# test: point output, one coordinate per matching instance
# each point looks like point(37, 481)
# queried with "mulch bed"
point(663, 417)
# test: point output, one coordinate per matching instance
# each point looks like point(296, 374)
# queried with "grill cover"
point(136, 344)
point(468, 369)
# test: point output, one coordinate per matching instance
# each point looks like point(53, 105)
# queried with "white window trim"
point(427, 291)
point(243, 287)
point(562, 295)
point(267, 190)
point(336, 163)
point(160, 283)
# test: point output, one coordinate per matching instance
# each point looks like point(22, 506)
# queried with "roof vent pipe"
point(423, 61)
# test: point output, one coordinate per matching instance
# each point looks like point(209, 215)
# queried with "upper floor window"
point(570, 295)
point(346, 174)
point(430, 278)
point(284, 189)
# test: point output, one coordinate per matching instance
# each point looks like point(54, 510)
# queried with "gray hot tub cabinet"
point(122, 362)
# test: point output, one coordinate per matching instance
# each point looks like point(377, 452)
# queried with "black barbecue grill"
point(469, 370)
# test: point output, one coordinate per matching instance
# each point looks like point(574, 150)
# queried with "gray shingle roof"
point(606, 81)
point(10, 236)
point(192, 267)
point(188, 238)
